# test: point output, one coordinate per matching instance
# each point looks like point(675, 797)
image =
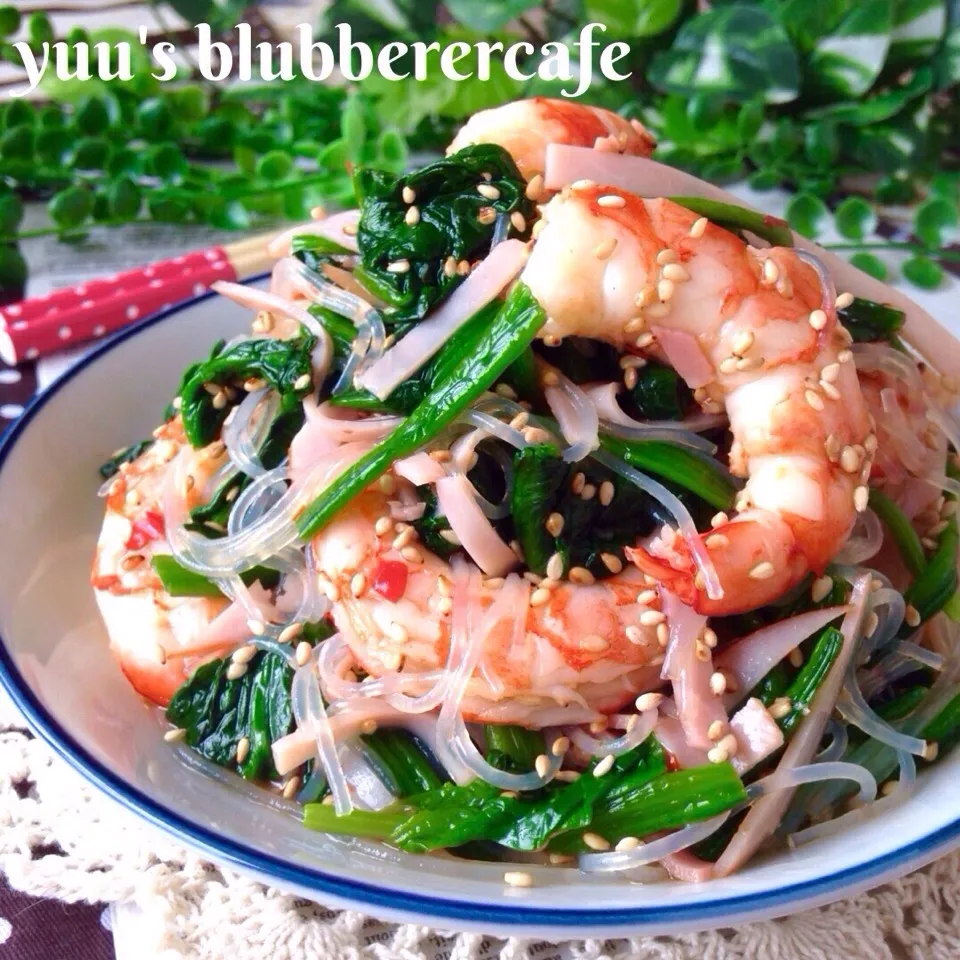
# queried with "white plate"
point(55, 664)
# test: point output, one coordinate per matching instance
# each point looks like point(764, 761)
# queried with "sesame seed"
point(742, 342)
point(717, 755)
point(404, 538)
point(780, 707)
point(715, 730)
point(257, 627)
point(843, 301)
point(630, 378)
point(488, 191)
point(555, 566)
point(627, 844)
point(412, 216)
point(598, 726)
point(604, 765)
point(408, 194)
point(607, 491)
point(928, 543)
point(539, 597)
point(718, 683)
point(930, 751)
point(698, 227)
point(578, 483)
point(387, 484)
point(559, 859)
point(912, 616)
point(411, 555)
point(675, 272)
point(519, 221)
point(701, 650)
point(871, 624)
point(584, 184)
point(612, 562)
point(518, 878)
point(845, 356)
point(636, 636)
point(399, 266)
point(830, 390)
point(814, 399)
point(632, 326)
point(244, 654)
point(663, 634)
point(730, 744)
point(486, 216)
point(666, 256)
point(849, 460)
point(830, 372)
point(861, 498)
point(542, 766)
point(821, 588)
point(291, 787)
point(717, 541)
point(236, 670)
point(175, 735)
point(243, 749)
point(645, 340)
point(818, 319)
point(449, 266)
point(220, 400)
point(383, 526)
point(594, 644)
point(537, 229)
point(588, 492)
point(604, 249)
point(762, 571)
point(650, 618)
point(358, 585)
point(611, 200)
point(771, 272)
point(595, 842)
point(646, 597)
point(646, 296)
point(796, 657)
point(397, 632)
point(648, 701)
point(534, 188)
point(560, 746)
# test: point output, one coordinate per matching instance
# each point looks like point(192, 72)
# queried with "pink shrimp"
point(580, 650)
point(525, 127)
point(751, 332)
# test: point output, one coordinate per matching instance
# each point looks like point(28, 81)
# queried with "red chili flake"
point(672, 763)
point(390, 579)
point(148, 526)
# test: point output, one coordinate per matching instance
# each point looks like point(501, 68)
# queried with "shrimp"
point(147, 626)
point(524, 128)
point(576, 651)
point(750, 331)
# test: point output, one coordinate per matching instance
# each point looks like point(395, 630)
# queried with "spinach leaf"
point(454, 220)
point(283, 364)
point(660, 393)
point(125, 455)
point(217, 713)
point(867, 320)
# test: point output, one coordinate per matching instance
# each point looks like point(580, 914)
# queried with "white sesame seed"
point(542, 766)
point(488, 191)
point(604, 765)
point(635, 635)
point(717, 755)
point(665, 290)
point(912, 616)
point(698, 227)
point(244, 654)
point(648, 701)
point(829, 390)
point(243, 749)
point(663, 634)
point(814, 399)
point(411, 555)
point(821, 588)
point(843, 301)
point(539, 597)
point(666, 256)
point(581, 575)
point(730, 744)
point(780, 708)
point(409, 194)
point(518, 878)
point(612, 562)
point(796, 657)
point(771, 272)
point(412, 216)
point(719, 519)
point(604, 249)
point(303, 653)
point(534, 188)
point(519, 221)
point(554, 524)
point(818, 319)
point(399, 266)
point(397, 632)
point(675, 272)
point(593, 643)
point(861, 498)
point(849, 460)
point(175, 735)
point(716, 730)
point(830, 372)
point(555, 567)
point(646, 597)
point(404, 538)
point(611, 200)
point(291, 787)
point(606, 493)
point(717, 541)
point(718, 683)
point(257, 627)
point(358, 585)
point(762, 571)
point(742, 342)
point(236, 670)
point(650, 618)
point(560, 746)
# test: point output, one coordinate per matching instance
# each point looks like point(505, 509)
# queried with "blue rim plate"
point(505, 915)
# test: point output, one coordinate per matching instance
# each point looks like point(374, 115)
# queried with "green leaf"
point(168, 162)
point(806, 213)
point(9, 20)
point(880, 106)
point(855, 218)
point(353, 128)
point(392, 152)
point(39, 30)
point(487, 15)
point(52, 146)
point(932, 217)
point(154, 118)
point(91, 116)
point(848, 61)
point(70, 207)
point(275, 165)
point(736, 51)
point(631, 18)
point(169, 208)
point(11, 213)
point(230, 216)
point(17, 143)
point(13, 274)
point(190, 102)
point(124, 198)
point(245, 159)
point(918, 27)
point(822, 143)
point(923, 272)
point(870, 264)
point(750, 120)
point(895, 190)
point(19, 113)
point(91, 153)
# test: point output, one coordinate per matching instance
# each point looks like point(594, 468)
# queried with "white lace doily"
point(60, 838)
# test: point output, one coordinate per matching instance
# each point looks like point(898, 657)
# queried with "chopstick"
point(42, 325)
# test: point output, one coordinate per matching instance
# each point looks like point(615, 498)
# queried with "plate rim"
point(487, 915)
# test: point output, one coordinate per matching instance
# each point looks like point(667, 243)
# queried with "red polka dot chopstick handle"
point(42, 325)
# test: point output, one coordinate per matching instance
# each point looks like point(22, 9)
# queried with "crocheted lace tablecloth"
point(61, 838)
